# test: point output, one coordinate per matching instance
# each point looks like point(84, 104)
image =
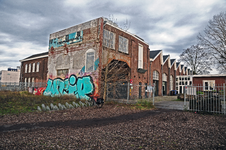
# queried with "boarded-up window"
point(109, 39)
point(90, 61)
point(123, 44)
point(140, 56)
point(155, 75)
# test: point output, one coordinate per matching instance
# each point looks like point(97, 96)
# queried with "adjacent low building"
point(34, 68)
point(10, 76)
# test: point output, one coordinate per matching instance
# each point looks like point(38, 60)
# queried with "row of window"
point(35, 68)
point(184, 83)
point(109, 41)
point(182, 78)
point(164, 78)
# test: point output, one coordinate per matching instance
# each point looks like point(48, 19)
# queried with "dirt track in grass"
point(113, 127)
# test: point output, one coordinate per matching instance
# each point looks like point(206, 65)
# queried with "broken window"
point(123, 44)
point(89, 61)
point(109, 39)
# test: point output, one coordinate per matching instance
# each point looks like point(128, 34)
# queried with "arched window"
point(37, 67)
point(90, 55)
point(33, 67)
point(164, 77)
point(155, 75)
point(29, 69)
point(25, 68)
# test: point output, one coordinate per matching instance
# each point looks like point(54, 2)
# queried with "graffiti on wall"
point(81, 87)
point(67, 39)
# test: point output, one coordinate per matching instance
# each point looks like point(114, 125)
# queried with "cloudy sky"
point(170, 25)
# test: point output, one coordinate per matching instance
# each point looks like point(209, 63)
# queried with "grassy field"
point(23, 102)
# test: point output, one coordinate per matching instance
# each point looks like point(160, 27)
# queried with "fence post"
point(153, 89)
point(224, 98)
point(107, 93)
point(184, 98)
point(127, 92)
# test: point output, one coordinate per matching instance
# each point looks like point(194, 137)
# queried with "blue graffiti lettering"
point(67, 39)
point(79, 87)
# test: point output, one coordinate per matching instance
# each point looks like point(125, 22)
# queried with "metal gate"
point(205, 99)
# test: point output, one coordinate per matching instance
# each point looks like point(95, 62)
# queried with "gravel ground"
point(113, 127)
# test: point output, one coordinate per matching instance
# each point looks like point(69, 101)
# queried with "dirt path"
point(113, 127)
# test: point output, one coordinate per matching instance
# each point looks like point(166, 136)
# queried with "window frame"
point(25, 70)
point(140, 56)
point(37, 67)
point(155, 75)
point(33, 67)
point(29, 68)
point(87, 52)
point(123, 43)
point(108, 41)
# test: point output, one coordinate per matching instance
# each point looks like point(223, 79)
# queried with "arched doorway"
point(117, 74)
point(156, 82)
point(164, 84)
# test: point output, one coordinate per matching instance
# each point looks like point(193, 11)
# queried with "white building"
point(10, 75)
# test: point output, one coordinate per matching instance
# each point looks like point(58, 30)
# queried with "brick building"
point(155, 78)
point(172, 74)
point(86, 54)
point(34, 68)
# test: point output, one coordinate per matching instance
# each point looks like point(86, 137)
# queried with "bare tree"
point(213, 39)
point(196, 58)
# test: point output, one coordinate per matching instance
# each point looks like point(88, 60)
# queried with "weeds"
point(22, 102)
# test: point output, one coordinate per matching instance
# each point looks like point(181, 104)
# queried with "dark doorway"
point(140, 90)
point(180, 90)
point(156, 82)
point(164, 88)
point(146, 94)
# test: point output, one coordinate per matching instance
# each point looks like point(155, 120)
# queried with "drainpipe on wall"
point(161, 79)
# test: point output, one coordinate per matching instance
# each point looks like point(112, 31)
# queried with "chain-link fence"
point(205, 98)
point(21, 86)
point(129, 93)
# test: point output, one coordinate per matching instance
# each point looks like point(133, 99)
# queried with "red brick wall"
point(131, 59)
point(166, 71)
point(156, 65)
point(172, 72)
point(40, 76)
point(178, 71)
point(218, 80)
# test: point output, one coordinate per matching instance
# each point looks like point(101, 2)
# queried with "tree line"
point(210, 51)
